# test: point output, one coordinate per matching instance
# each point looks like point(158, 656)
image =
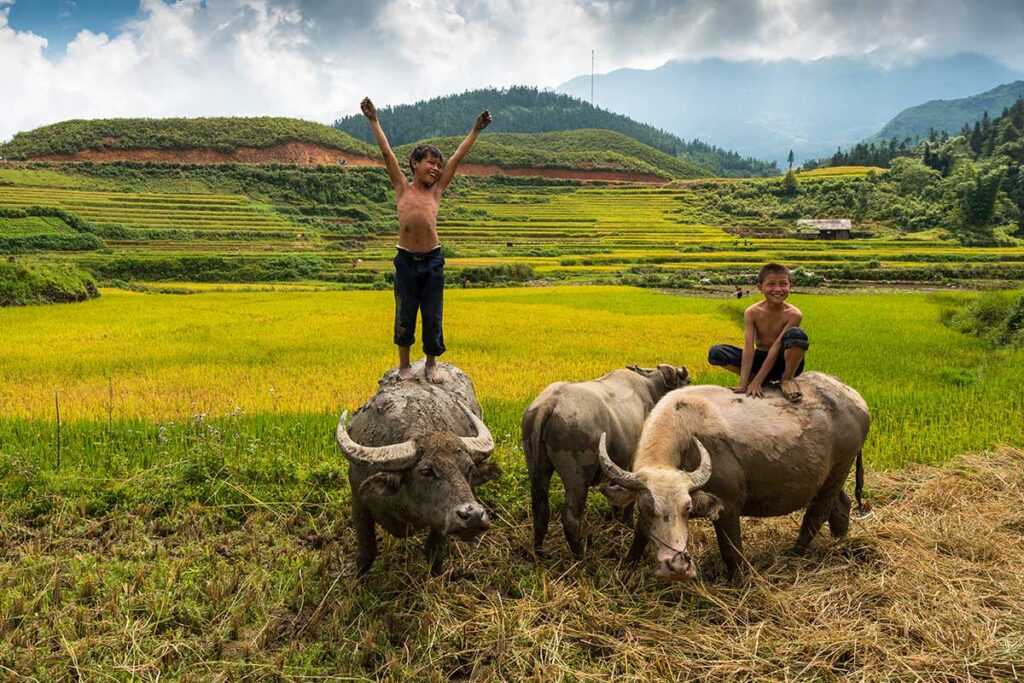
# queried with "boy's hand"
point(369, 111)
point(754, 389)
point(482, 121)
point(741, 389)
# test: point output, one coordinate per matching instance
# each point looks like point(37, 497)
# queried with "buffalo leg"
point(727, 531)
point(435, 551)
point(839, 516)
point(817, 512)
point(572, 515)
point(636, 551)
point(366, 537)
point(540, 486)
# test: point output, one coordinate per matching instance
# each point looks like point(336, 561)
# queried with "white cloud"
point(315, 59)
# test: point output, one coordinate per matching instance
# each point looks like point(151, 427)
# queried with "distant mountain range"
point(949, 115)
point(525, 109)
point(764, 109)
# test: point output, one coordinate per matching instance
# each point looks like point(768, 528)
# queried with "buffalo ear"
point(484, 472)
point(683, 376)
point(619, 496)
point(706, 505)
point(381, 484)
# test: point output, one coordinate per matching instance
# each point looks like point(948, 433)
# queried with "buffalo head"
point(427, 481)
point(669, 375)
point(666, 499)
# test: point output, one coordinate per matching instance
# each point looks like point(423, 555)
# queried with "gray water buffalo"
point(416, 451)
point(561, 430)
point(757, 458)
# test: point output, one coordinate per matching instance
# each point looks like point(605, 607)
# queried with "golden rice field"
point(127, 356)
point(189, 520)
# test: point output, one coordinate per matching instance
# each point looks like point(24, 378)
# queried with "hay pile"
point(929, 586)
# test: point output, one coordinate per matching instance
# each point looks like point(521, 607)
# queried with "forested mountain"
point(590, 149)
point(764, 109)
point(917, 123)
point(972, 183)
point(525, 109)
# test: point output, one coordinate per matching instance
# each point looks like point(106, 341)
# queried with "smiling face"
point(775, 287)
point(426, 163)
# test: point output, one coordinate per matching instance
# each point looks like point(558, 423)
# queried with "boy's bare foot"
point(405, 373)
point(791, 390)
point(435, 374)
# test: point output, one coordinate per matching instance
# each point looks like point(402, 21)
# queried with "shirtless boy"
point(419, 265)
point(774, 346)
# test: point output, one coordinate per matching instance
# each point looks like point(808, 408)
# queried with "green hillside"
point(599, 150)
point(223, 134)
point(949, 115)
point(528, 110)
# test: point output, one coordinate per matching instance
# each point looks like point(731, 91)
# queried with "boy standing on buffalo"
point(419, 265)
point(774, 346)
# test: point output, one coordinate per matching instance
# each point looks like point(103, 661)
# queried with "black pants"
point(727, 354)
point(419, 286)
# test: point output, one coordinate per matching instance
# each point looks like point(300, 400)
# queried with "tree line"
point(524, 109)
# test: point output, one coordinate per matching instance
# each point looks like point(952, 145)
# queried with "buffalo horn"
point(700, 476)
point(619, 476)
point(480, 446)
point(395, 457)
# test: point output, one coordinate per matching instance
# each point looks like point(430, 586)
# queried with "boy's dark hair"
point(772, 269)
point(420, 152)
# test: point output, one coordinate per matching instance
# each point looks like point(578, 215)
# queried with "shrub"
point(22, 285)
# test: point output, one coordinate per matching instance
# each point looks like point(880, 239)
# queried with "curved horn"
point(397, 456)
point(626, 480)
point(700, 476)
point(480, 446)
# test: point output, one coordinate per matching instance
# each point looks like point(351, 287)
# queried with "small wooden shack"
point(825, 228)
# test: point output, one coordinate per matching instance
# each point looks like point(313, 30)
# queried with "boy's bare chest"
point(415, 206)
point(768, 328)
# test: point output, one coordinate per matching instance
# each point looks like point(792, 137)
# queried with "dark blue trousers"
point(419, 287)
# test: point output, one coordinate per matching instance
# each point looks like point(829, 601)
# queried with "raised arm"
point(398, 179)
point(482, 121)
point(748, 351)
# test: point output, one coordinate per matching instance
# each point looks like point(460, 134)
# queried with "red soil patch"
point(303, 153)
point(569, 173)
point(309, 154)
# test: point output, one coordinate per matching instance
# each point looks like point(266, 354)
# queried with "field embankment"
point(24, 285)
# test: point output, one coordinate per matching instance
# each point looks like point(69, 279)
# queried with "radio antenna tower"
point(591, 77)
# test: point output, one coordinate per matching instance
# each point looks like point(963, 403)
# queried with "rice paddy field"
point(173, 505)
point(566, 233)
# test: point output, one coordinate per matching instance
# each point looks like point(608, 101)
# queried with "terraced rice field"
point(583, 233)
point(147, 214)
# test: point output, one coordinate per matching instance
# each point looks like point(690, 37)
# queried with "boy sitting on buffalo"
point(419, 265)
point(774, 345)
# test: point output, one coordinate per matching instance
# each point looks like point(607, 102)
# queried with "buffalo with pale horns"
point(416, 451)
point(707, 452)
point(560, 434)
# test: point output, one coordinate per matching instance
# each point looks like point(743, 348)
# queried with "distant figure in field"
point(773, 346)
point(419, 265)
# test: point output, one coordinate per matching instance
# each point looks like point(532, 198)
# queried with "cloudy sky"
point(315, 59)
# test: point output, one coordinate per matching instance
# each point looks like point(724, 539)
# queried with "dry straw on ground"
point(929, 587)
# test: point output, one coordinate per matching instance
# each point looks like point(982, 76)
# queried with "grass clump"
point(996, 316)
point(23, 285)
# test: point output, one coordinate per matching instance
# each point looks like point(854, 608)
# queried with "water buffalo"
point(757, 458)
point(416, 451)
point(560, 434)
